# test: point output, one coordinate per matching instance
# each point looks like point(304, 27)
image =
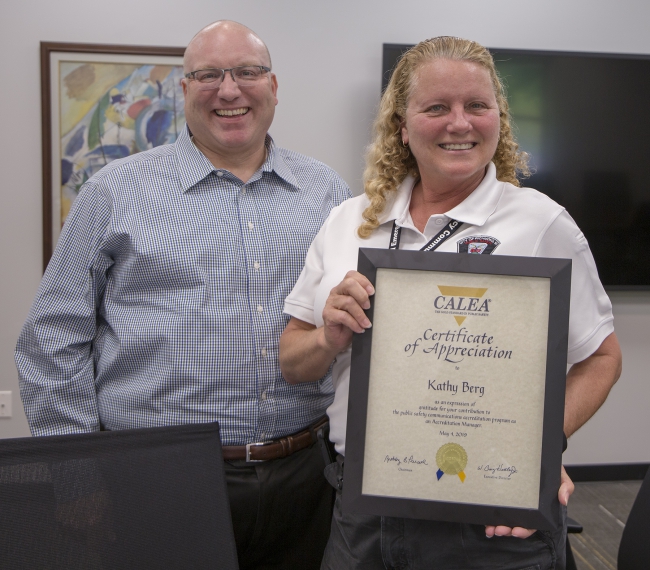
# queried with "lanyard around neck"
point(434, 243)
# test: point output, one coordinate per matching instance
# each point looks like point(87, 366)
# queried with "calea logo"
point(462, 302)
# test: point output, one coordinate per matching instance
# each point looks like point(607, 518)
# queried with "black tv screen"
point(585, 121)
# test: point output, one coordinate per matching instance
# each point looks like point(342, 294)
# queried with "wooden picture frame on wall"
point(100, 102)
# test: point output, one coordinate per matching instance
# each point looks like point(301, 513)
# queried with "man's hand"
point(566, 490)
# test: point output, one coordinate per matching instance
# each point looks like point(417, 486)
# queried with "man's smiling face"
point(229, 122)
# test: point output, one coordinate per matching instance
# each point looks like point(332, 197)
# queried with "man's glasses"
point(243, 76)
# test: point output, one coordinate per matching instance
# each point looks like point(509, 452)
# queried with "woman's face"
point(452, 122)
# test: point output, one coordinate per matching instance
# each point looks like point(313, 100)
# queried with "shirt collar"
point(193, 165)
point(473, 210)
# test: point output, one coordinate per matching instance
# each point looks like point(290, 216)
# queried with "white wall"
point(328, 59)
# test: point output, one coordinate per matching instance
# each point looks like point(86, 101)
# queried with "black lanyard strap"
point(434, 243)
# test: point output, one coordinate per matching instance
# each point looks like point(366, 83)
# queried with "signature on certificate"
point(403, 463)
point(499, 471)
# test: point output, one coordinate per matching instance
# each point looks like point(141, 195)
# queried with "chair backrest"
point(634, 551)
point(146, 498)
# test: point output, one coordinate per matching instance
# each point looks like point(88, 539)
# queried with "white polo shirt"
point(498, 218)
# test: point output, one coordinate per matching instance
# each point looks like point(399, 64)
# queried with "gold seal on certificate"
point(451, 460)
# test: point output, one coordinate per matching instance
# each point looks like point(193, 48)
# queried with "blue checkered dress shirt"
point(162, 303)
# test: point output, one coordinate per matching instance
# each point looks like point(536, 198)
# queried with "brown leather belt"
point(277, 448)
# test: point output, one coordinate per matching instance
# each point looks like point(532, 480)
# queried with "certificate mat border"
point(548, 515)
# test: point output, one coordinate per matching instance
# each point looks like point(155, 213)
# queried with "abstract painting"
point(101, 103)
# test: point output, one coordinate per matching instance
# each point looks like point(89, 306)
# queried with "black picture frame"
point(548, 515)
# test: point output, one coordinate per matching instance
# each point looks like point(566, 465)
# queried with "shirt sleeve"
point(590, 318)
point(54, 353)
point(300, 302)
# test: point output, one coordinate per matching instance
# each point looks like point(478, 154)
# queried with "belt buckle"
point(248, 451)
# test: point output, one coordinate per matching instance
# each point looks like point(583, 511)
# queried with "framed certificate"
point(456, 402)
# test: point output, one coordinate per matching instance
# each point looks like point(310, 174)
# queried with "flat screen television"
point(584, 118)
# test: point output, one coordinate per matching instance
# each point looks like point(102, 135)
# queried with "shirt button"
point(256, 265)
point(219, 174)
point(262, 436)
point(264, 395)
point(250, 225)
point(243, 189)
point(263, 352)
point(438, 221)
point(260, 308)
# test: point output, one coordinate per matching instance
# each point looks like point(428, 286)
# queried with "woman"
point(443, 157)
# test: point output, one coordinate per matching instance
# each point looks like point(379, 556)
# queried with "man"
point(162, 303)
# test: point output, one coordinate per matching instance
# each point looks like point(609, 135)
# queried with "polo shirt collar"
point(482, 203)
point(474, 210)
point(194, 166)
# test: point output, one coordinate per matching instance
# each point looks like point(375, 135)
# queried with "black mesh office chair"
point(150, 498)
point(634, 551)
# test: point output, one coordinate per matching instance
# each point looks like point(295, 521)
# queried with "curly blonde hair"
point(388, 161)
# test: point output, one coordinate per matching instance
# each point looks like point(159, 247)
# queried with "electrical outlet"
point(5, 404)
